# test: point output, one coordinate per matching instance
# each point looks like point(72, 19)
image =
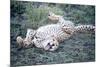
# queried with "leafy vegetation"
point(79, 48)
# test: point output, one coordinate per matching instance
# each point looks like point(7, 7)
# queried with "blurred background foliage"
point(26, 14)
point(35, 14)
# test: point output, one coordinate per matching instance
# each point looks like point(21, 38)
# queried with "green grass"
point(78, 48)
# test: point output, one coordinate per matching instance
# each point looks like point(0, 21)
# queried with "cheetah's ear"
point(52, 16)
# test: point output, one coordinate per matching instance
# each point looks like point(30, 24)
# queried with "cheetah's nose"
point(50, 47)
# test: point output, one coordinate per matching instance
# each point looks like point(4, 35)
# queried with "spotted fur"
point(49, 36)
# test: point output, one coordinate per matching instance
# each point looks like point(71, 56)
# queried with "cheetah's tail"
point(84, 28)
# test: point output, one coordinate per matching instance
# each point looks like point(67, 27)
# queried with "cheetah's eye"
point(48, 44)
point(53, 45)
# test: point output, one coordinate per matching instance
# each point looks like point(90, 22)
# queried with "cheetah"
point(48, 37)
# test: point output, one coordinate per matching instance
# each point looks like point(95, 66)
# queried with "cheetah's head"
point(50, 44)
point(53, 17)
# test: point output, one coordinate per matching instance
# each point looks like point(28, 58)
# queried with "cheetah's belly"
point(52, 30)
